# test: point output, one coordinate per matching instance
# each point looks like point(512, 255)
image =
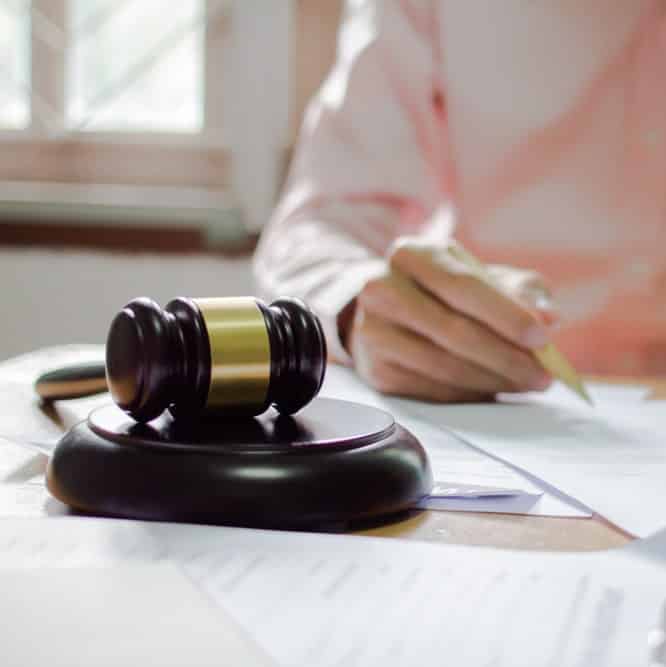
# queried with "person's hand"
point(431, 329)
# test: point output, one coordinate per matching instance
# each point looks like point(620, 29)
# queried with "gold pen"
point(548, 356)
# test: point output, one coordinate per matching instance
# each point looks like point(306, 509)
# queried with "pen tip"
point(585, 396)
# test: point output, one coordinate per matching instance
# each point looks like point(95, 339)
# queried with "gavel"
point(229, 357)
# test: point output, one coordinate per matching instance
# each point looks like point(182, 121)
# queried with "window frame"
point(243, 166)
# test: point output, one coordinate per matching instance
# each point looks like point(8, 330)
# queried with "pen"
point(74, 380)
point(548, 356)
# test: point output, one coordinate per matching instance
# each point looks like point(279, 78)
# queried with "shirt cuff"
point(330, 301)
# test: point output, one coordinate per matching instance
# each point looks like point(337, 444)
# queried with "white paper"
point(29, 366)
point(31, 420)
point(453, 490)
point(324, 600)
point(123, 615)
point(22, 485)
point(454, 463)
point(611, 457)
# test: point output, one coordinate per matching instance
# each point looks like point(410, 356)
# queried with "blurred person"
point(532, 133)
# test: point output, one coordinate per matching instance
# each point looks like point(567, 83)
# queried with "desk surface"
point(515, 531)
point(469, 528)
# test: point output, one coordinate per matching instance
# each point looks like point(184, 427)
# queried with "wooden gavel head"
point(226, 356)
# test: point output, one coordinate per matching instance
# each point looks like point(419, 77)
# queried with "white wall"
point(51, 297)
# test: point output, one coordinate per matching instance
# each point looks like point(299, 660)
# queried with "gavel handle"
point(73, 381)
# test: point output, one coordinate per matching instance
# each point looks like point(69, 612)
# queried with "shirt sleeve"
point(370, 163)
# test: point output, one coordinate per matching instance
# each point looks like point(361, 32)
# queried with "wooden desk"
point(511, 530)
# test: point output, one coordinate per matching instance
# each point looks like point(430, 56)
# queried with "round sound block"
point(333, 461)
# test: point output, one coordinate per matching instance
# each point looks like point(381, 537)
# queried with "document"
point(127, 614)
point(325, 600)
point(611, 457)
point(457, 465)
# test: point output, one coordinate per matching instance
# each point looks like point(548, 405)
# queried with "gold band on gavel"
point(240, 353)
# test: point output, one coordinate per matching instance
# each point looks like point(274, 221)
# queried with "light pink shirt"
point(534, 131)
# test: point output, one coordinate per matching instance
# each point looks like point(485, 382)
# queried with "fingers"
point(402, 348)
point(530, 289)
point(392, 379)
point(437, 328)
point(452, 282)
point(402, 382)
point(400, 302)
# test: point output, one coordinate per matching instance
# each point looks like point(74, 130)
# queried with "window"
point(14, 64)
point(180, 111)
point(146, 84)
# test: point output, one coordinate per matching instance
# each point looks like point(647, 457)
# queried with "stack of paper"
point(465, 478)
point(609, 458)
point(325, 600)
point(125, 615)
